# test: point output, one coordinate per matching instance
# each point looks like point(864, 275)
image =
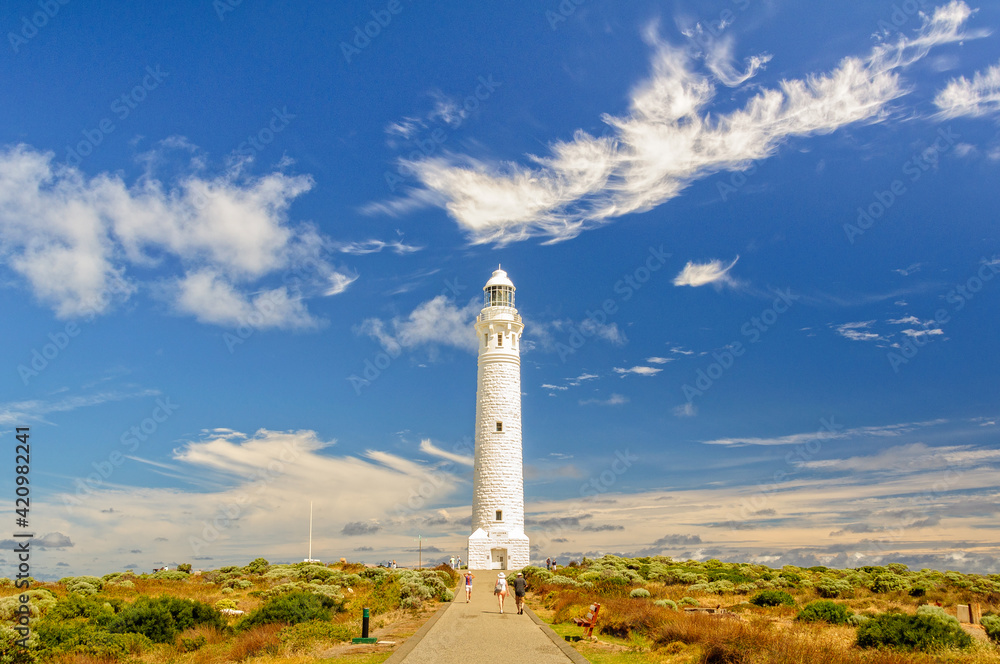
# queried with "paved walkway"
point(468, 633)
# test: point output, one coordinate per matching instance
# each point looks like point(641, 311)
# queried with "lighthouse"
point(498, 540)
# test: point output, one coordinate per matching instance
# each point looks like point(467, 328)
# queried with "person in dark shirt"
point(519, 587)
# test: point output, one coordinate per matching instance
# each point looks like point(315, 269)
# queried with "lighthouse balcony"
point(499, 313)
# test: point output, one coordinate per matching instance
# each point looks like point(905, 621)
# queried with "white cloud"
point(339, 282)
point(700, 274)
point(980, 96)
point(374, 246)
point(427, 447)
point(910, 458)
point(659, 360)
point(73, 238)
point(681, 351)
point(669, 138)
point(858, 331)
point(436, 322)
point(549, 386)
point(827, 433)
point(923, 333)
point(719, 60)
point(639, 370)
point(686, 410)
point(613, 400)
point(35, 410)
point(211, 299)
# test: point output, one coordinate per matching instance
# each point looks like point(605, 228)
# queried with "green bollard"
point(364, 638)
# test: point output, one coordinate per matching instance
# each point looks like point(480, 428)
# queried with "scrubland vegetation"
point(259, 612)
point(870, 615)
point(297, 613)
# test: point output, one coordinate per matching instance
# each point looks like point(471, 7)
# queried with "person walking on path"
point(520, 585)
point(469, 576)
point(500, 590)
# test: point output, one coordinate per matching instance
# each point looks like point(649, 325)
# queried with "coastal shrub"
point(88, 640)
point(161, 618)
point(667, 604)
point(290, 608)
point(887, 582)
point(688, 601)
point(257, 566)
point(917, 591)
point(991, 624)
point(931, 629)
point(772, 598)
point(830, 587)
point(639, 593)
point(169, 575)
point(823, 610)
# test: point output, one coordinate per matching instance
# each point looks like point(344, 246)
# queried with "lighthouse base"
point(498, 550)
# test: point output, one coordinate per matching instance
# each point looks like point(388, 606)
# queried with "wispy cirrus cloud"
point(977, 97)
point(669, 138)
point(831, 433)
point(702, 274)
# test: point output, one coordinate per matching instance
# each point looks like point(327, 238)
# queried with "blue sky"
point(755, 247)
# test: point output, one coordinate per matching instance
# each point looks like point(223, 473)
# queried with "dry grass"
point(263, 639)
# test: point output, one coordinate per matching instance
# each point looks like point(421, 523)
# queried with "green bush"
point(772, 598)
point(666, 604)
point(992, 626)
point(639, 593)
point(258, 566)
point(823, 610)
point(76, 637)
point(192, 643)
point(162, 618)
point(829, 587)
point(931, 629)
point(169, 575)
point(917, 591)
point(687, 601)
point(291, 608)
point(887, 582)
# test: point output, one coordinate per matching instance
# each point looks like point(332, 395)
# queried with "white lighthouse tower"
point(498, 540)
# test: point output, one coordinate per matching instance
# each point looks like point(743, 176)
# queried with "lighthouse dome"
point(499, 278)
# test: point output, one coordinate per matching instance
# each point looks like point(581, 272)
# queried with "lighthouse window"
point(499, 427)
point(499, 515)
point(500, 340)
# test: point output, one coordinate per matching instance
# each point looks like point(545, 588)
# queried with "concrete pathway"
point(468, 633)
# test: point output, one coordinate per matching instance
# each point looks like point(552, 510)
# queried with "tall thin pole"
point(310, 531)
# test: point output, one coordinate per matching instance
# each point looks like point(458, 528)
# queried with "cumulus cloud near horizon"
point(669, 138)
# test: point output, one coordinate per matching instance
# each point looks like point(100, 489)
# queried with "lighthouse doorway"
point(498, 558)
